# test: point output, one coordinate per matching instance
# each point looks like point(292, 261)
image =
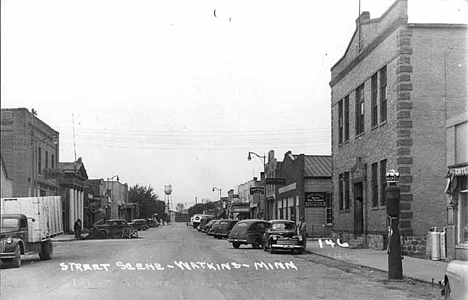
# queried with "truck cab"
point(14, 236)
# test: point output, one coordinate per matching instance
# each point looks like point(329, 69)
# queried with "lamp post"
point(263, 158)
point(218, 189)
point(392, 193)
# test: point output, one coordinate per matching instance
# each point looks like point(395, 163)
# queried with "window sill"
point(374, 127)
point(374, 208)
point(383, 123)
point(462, 246)
point(359, 135)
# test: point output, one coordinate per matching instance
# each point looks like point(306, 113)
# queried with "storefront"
point(457, 212)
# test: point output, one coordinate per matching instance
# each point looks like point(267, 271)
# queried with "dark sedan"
point(283, 235)
point(247, 232)
point(223, 228)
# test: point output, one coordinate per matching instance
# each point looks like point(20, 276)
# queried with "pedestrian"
point(302, 227)
point(77, 229)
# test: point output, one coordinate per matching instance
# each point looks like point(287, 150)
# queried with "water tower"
point(167, 196)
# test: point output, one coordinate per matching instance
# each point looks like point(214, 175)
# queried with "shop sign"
point(276, 181)
point(315, 200)
point(257, 190)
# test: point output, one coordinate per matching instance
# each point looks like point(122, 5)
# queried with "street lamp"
point(263, 158)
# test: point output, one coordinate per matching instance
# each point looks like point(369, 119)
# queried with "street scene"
point(179, 262)
point(234, 150)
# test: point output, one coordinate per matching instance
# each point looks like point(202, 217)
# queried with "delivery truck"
point(27, 226)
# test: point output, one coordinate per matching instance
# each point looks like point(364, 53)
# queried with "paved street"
point(178, 262)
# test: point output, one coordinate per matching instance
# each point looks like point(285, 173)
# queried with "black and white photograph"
point(218, 150)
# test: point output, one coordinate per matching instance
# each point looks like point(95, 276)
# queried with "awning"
point(459, 171)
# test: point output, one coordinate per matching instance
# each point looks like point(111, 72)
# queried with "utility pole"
point(392, 193)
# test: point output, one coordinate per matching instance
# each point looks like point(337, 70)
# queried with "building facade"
point(30, 148)
point(72, 177)
point(307, 192)
point(392, 92)
point(271, 168)
point(95, 202)
point(118, 198)
point(457, 187)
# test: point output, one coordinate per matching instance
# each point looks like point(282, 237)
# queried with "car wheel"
point(257, 244)
point(447, 291)
point(16, 262)
point(47, 250)
point(236, 245)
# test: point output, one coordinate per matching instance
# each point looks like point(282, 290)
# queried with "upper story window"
point(346, 118)
point(39, 160)
point(46, 159)
point(340, 122)
point(374, 105)
point(52, 161)
point(383, 94)
point(360, 110)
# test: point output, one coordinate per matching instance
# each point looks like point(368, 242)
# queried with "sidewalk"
point(424, 270)
point(66, 237)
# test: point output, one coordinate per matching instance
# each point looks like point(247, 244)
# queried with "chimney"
point(365, 15)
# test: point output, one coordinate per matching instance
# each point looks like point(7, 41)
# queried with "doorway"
point(358, 208)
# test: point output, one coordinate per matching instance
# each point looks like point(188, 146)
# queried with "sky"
point(178, 92)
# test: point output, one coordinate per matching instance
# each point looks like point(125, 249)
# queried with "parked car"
point(223, 228)
point(203, 221)
point(283, 235)
point(139, 224)
point(152, 223)
point(209, 225)
point(195, 220)
point(113, 229)
point(455, 284)
point(247, 232)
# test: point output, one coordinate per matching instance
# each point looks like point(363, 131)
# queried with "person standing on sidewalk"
point(302, 229)
point(77, 229)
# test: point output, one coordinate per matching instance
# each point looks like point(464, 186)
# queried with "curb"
point(405, 278)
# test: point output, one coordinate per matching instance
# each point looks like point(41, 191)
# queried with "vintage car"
point(209, 226)
point(113, 229)
point(152, 223)
point(223, 228)
point(247, 232)
point(139, 224)
point(455, 283)
point(283, 235)
point(195, 220)
point(203, 221)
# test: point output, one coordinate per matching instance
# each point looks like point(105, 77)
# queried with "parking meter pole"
point(395, 268)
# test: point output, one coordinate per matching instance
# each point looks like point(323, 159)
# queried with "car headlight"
point(300, 238)
point(9, 240)
point(274, 237)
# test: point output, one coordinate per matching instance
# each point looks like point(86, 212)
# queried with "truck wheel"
point(47, 250)
point(235, 245)
point(16, 262)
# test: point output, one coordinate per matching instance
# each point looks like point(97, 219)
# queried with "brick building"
point(392, 92)
point(307, 192)
point(30, 148)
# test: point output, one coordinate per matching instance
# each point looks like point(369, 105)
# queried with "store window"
point(463, 211)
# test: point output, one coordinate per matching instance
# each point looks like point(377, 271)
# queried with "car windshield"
point(283, 226)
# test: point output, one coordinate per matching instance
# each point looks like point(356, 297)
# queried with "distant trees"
point(201, 207)
point(179, 207)
point(148, 201)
